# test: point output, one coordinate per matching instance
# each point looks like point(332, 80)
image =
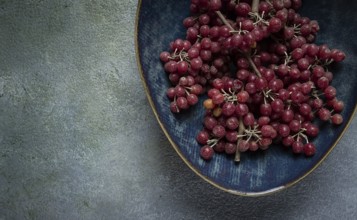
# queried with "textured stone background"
point(78, 139)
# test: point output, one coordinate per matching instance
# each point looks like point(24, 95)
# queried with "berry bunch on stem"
point(266, 79)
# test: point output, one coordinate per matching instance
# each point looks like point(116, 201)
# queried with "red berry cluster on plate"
point(265, 78)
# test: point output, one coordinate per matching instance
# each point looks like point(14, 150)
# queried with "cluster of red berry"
point(266, 79)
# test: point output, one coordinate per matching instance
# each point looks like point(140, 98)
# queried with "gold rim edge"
point(235, 192)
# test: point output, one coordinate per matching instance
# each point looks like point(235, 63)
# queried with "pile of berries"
point(265, 78)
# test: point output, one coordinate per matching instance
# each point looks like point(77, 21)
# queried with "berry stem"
point(252, 64)
point(224, 20)
point(240, 133)
point(255, 6)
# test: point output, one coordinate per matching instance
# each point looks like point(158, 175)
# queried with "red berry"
point(232, 123)
point(202, 137)
point(275, 25)
point(309, 149)
point(219, 131)
point(242, 96)
point(218, 99)
point(336, 119)
point(298, 147)
point(219, 147)
point(230, 148)
point(206, 152)
point(243, 146)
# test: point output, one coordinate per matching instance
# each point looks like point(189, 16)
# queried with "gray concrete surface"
point(78, 139)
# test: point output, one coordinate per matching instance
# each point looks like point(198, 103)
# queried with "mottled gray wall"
point(78, 139)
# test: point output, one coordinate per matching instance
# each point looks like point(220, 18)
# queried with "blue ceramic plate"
point(160, 21)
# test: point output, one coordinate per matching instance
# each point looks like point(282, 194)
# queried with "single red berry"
point(309, 149)
point(298, 147)
point(202, 137)
point(336, 119)
point(206, 152)
point(230, 148)
point(243, 146)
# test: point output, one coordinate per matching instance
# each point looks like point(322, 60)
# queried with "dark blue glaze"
point(160, 21)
